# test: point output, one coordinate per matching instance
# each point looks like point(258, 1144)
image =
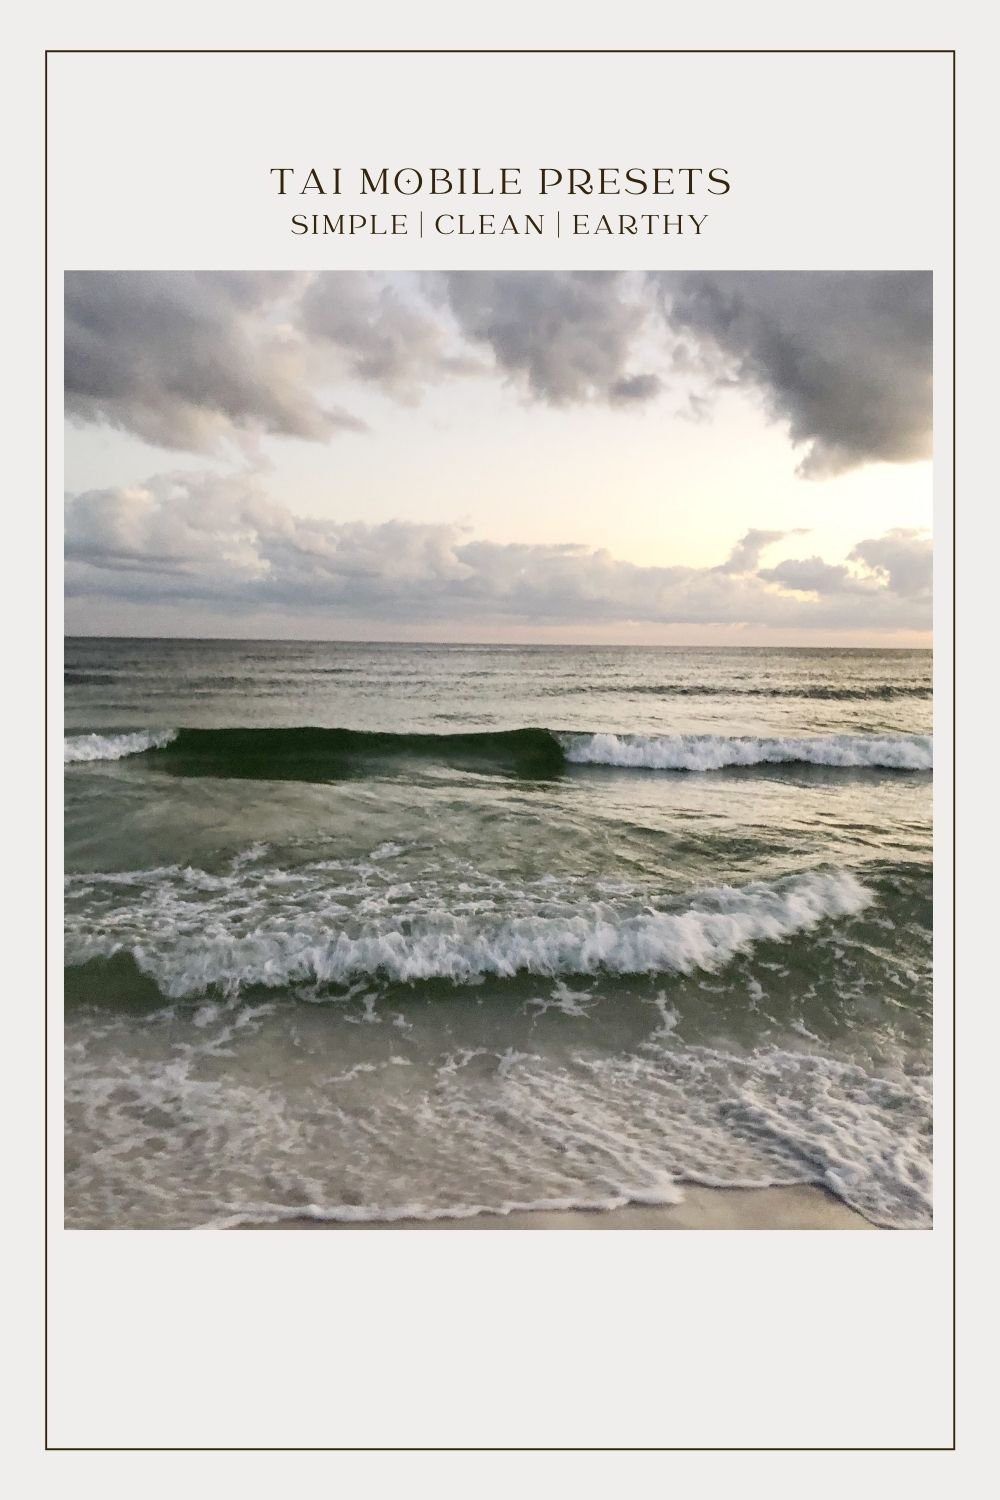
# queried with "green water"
point(368, 931)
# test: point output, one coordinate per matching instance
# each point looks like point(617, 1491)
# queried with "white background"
point(835, 161)
point(523, 1340)
point(601, 1339)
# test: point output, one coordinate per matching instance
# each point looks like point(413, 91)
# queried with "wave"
point(714, 752)
point(316, 754)
point(190, 932)
point(88, 747)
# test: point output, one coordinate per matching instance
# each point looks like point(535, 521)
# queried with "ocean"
point(369, 932)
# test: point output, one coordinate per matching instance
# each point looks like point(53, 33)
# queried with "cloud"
point(903, 559)
point(185, 525)
point(745, 556)
point(186, 359)
point(192, 360)
point(223, 542)
point(385, 338)
point(634, 388)
point(811, 575)
point(900, 563)
point(843, 357)
point(562, 336)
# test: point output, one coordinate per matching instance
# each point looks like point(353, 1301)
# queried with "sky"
point(717, 458)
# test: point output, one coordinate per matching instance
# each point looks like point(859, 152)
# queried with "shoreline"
point(787, 1207)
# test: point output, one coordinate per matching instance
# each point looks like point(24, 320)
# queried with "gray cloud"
point(634, 388)
point(745, 556)
point(564, 336)
point(903, 559)
point(186, 359)
point(900, 562)
point(844, 357)
point(813, 575)
point(397, 343)
point(189, 360)
point(223, 542)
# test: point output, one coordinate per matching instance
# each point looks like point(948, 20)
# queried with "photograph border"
point(513, 51)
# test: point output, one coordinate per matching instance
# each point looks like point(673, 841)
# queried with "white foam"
point(190, 936)
point(714, 752)
point(350, 1213)
point(161, 1138)
point(86, 747)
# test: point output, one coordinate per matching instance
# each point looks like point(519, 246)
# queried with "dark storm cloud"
point(224, 543)
point(844, 357)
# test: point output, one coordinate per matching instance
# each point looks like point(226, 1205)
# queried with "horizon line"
point(233, 640)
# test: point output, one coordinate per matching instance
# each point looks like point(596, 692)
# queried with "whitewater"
point(220, 749)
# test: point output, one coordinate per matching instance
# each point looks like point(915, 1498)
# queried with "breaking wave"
point(191, 932)
point(714, 752)
point(317, 754)
point(86, 747)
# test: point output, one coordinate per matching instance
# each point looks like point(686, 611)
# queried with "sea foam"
point(188, 940)
point(87, 747)
point(313, 753)
point(713, 752)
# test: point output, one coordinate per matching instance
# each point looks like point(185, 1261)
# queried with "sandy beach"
point(702, 1208)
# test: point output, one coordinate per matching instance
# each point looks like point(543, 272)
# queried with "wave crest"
point(319, 754)
point(714, 752)
point(189, 940)
point(87, 747)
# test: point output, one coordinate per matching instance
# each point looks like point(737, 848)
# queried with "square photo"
point(498, 757)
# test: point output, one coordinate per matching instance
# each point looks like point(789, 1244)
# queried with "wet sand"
point(702, 1208)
